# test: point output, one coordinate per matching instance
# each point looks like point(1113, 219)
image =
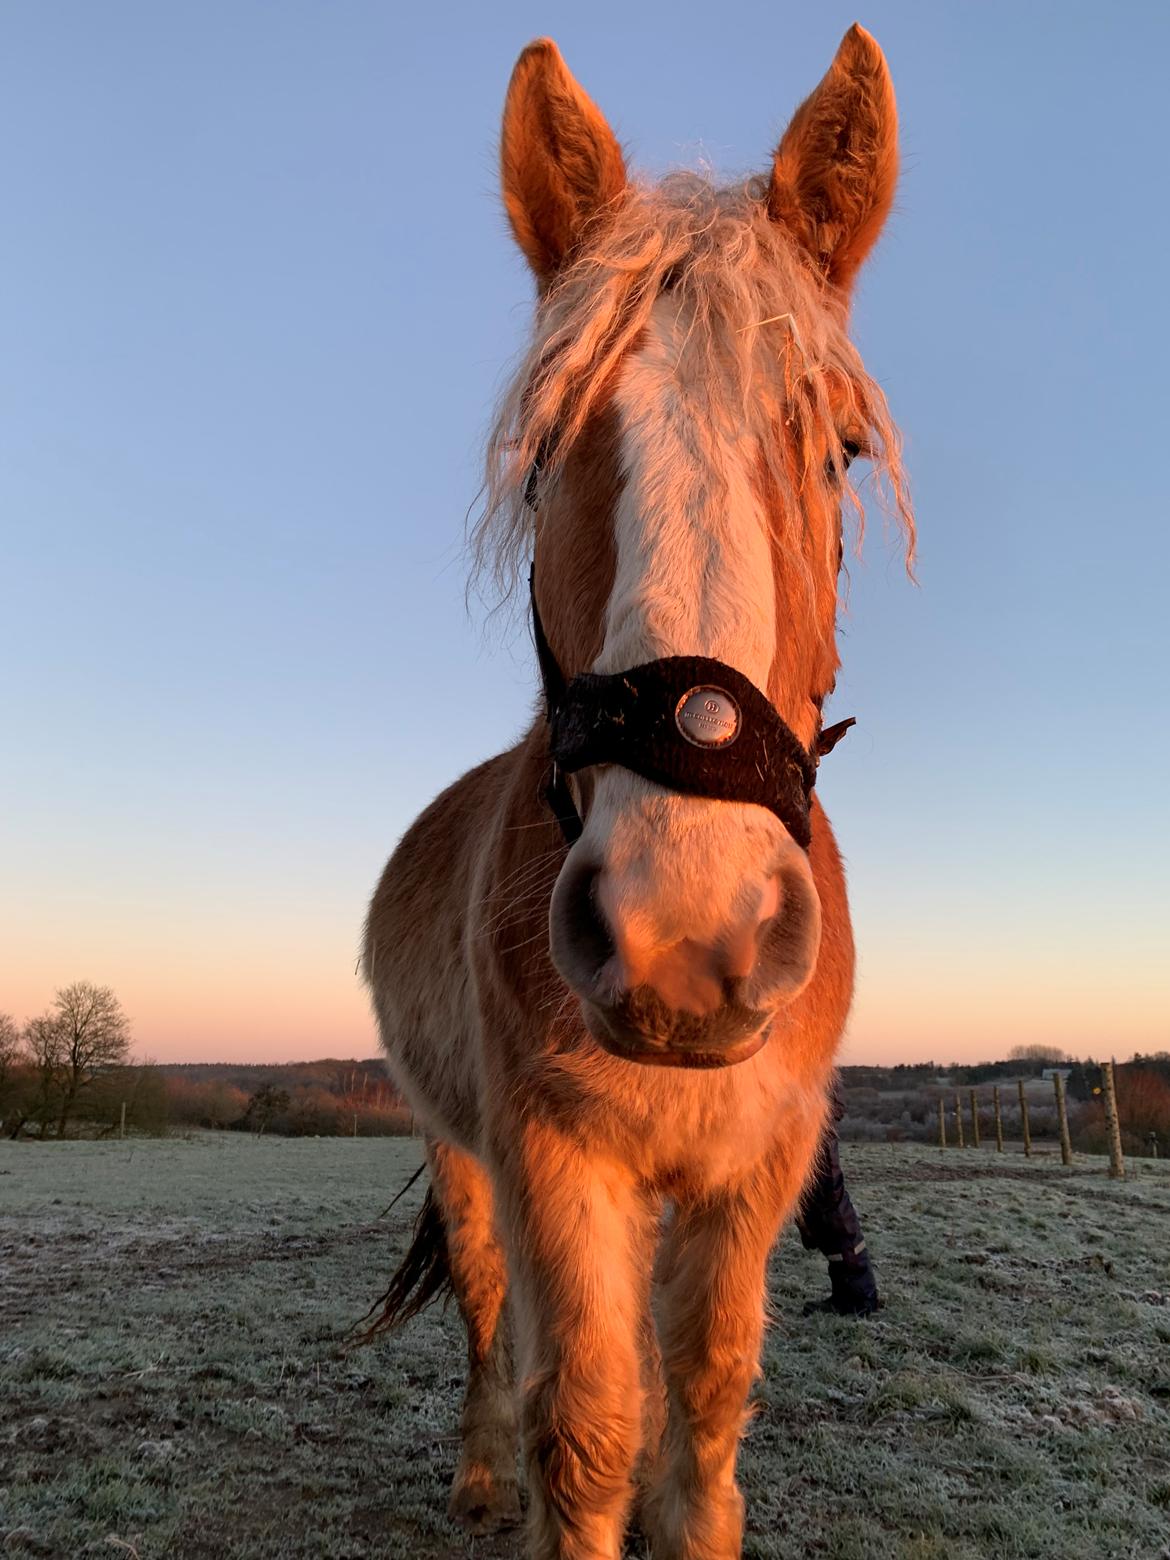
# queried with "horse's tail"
point(423, 1275)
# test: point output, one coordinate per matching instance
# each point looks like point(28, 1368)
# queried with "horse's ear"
point(836, 167)
point(560, 162)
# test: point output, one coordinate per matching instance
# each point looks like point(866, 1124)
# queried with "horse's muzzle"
point(700, 999)
point(641, 1028)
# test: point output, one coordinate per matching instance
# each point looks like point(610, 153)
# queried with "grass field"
point(170, 1381)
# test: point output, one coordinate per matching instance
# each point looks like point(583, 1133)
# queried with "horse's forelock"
point(767, 337)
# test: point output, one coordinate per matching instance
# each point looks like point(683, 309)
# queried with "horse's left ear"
point(560, 163)
point(836, 167)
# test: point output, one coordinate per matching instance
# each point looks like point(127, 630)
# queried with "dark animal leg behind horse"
point(828, 1223)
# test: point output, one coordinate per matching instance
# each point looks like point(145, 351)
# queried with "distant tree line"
point(351, 1101)
point(901, 1102)
point(68, 1071)
point(1023, 1061)
point(69, 1063)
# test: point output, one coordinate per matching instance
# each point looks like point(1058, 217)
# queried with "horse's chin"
point(631, 1045)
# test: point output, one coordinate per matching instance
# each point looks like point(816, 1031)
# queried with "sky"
point(258, 300)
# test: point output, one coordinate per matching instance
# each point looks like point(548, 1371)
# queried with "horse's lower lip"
point(633, 1048)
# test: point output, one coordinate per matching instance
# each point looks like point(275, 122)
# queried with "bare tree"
point(92, 1034)
point(9, 1046)
point(10, 1057)
point(43, 1041)
point(1050, 1055)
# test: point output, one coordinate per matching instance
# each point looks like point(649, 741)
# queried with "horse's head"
point(681, 429)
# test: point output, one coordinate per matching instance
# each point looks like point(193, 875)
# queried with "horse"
point(611, 965)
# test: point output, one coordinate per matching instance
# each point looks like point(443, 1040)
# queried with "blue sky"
point(259, 298)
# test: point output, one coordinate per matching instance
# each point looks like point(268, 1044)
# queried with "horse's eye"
point(850, 450)
point(532, 485)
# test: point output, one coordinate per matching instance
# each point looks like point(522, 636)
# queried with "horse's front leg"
point(579, 1238)
point(711, 1321)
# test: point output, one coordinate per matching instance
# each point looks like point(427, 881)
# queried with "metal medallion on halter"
point(708, 717)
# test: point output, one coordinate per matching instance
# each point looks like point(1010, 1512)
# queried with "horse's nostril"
point(788, 940)
point(581, 939)
point(587, 924)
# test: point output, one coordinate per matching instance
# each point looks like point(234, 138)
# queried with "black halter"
point(686, 722)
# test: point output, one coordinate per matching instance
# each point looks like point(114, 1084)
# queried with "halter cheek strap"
point(686, 722)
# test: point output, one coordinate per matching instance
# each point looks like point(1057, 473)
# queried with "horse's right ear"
point(835, 169)
point(559, 160)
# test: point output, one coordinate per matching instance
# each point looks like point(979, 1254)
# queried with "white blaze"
point(694, 567)
point(693, 576)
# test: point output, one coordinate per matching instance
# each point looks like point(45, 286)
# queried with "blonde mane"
point(765, 333)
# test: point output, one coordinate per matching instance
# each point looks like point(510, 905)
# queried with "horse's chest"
point(706, 1129)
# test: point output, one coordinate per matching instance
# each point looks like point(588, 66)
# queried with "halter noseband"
point(686, 722)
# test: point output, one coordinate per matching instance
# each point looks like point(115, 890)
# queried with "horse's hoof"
point(483, 1503)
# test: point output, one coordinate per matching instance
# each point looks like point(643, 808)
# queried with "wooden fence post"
point(1062, 1117)
point(998, 1120)
point(959, 1120)
point(122, 1129)
point(942, 1124)
point(1024, 1121)
point(974, 1120)
point(1116, 1161)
